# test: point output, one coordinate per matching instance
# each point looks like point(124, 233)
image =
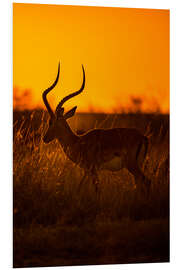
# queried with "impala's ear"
point(70, 113)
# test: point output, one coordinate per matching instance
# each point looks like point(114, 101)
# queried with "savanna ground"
point(56, 224)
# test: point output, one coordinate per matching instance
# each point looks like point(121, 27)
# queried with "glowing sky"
point(125, 53)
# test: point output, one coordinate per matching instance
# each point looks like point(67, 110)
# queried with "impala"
point(99, 149)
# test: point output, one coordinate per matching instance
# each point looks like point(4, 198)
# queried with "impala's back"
point(111, 149)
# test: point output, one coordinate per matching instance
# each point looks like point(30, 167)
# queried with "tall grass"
point(46, 195)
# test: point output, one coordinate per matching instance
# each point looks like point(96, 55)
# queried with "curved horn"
point(73, 94)
point(50, 111)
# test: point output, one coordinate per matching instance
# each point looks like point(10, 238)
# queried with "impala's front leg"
point(91, 175)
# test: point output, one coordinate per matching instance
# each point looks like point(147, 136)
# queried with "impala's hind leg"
point(143, 183)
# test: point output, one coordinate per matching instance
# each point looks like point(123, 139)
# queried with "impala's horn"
point(50, 111)
point(59, 106)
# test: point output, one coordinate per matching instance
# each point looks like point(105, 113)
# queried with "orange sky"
point(125, 53)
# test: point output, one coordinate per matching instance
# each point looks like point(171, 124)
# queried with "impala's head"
point(57, 121)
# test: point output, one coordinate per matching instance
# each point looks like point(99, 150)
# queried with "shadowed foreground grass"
point(56, 224)
point(124, 241)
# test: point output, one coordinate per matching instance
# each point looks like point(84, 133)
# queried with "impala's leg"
point(142, 181)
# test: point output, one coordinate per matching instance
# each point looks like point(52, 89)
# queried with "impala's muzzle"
point(48, 137)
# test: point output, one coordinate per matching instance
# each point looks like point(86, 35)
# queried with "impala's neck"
point(66, 137)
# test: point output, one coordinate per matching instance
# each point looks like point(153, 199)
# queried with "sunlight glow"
point(125, 53)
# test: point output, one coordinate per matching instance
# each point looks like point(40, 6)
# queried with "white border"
point(6, 123)
point(113, 3)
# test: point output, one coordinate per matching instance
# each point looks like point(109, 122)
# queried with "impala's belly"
point(115, 164)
